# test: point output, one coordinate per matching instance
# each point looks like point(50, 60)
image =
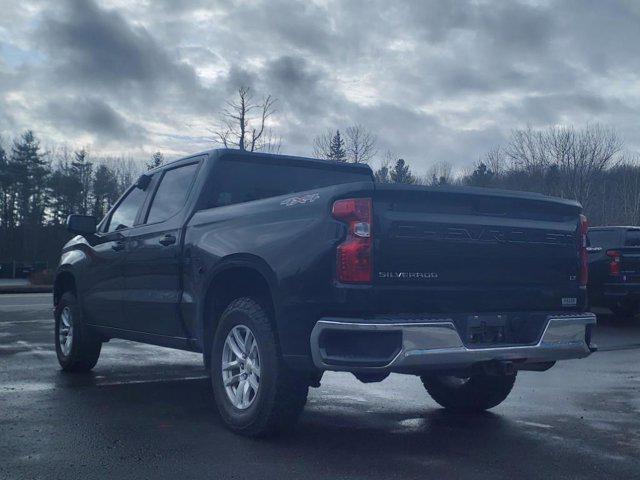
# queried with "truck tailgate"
point(456, 241)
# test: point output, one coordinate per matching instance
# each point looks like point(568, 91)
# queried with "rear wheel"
point(77, 346)
point(625, 309)
point(255, 392)
point(469, 394)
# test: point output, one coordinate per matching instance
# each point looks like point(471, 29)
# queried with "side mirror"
point(81, 224)
point(143, 182)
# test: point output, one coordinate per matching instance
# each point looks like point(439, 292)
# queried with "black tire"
point(624, 309)
point(473, 394)
point(85, 346)
point(281, 395)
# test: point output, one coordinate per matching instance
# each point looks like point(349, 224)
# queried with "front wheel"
point(77, 346)
point(469, 394)
point(255, 392)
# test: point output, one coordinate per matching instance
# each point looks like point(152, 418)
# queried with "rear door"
point(152, 267)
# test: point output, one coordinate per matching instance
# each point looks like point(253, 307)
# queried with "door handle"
point(118, 246)
point(167, 240)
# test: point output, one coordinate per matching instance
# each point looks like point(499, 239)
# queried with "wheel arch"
point(65, 281)
point(234, 277)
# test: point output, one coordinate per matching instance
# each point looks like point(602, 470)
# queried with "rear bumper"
point(436, 345)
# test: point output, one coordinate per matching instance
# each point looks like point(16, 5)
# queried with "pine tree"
point(105, 190)
point(83, 170)
point(66, 193)
point(336, 149)
point(157, 159)
point(482, 176)
point(382, 174)
point(6, 187)
point(401, 173)
point(30, 172)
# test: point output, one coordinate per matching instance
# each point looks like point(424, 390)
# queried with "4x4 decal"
point(300, 199)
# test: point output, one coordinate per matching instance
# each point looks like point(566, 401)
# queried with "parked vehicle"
point(279, 268)
point(614, 263)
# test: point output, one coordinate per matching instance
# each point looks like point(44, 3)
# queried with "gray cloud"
point(434, 80)
point(93, 116)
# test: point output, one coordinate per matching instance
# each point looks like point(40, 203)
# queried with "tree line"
point(40, 187)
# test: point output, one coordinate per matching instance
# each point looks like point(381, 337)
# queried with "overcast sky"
point(435, 80)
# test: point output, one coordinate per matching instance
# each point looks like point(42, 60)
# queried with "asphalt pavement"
point(147, 412)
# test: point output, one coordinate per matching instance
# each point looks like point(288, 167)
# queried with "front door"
point(102, 291)
point(104, 286)
point(152, 268)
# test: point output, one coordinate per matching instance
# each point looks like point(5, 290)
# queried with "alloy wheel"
point(65, 331)
point(241, 367)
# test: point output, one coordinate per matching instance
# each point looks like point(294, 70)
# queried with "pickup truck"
point(279, 268)
point(614, 265)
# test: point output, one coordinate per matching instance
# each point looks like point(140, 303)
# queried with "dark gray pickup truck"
point(279, 268)
point(614, 269)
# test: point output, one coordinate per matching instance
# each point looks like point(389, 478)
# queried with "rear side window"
point(126, 212)
point(632, 239)
point(171, 193)
point(237, 181)
point(603, 238)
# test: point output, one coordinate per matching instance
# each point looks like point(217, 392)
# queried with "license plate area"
point(487, 330)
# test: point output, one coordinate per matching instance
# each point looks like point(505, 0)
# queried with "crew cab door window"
point(171, 193)
point(126, 212)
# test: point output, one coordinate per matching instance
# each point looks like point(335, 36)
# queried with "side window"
point(633, 238)
point(171, 193)
point(125, 214)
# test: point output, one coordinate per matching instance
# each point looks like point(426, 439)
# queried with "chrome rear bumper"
point(433, 345)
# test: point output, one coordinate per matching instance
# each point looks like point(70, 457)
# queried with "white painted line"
point(41, 320)
point(23, 295)
point(32, 305)
point(43, 387)
point(157, 380)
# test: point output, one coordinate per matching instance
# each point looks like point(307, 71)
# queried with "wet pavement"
point(147, 412)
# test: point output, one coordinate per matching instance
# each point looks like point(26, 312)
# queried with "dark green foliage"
point(401, 173)
point(29, 171)
point(38, 190)
point(381, 175)
point(482, 176)
point(336, 149)
point(66, 193)
point(82, 170)
point(157, 159)
point(105, 190)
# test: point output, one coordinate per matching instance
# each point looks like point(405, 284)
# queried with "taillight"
point(584, 258)
point(354, 255)
point(614, 262)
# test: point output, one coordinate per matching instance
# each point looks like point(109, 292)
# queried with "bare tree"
point(440, 173)
point(243, 123)
point(562, 160)
point(361, 144)
point(495, 160)
point(582, 158)
point(626, 196)
point(322, 144)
